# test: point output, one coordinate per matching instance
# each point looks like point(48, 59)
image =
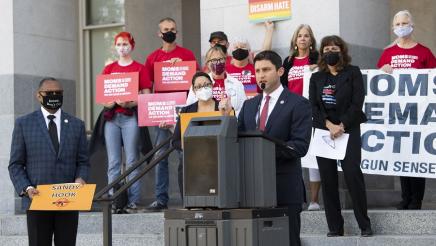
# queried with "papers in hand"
point(323, 146)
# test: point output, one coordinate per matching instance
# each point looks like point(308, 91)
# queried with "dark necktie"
point(53, 131)
point(264, 114)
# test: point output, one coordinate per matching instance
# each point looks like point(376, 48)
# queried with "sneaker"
point(156, 207)
point(313, 206)
point(132, 208)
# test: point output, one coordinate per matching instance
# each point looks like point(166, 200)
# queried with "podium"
point(211, 163)
point(229, 188)
point(258, 170)
point(235, 227)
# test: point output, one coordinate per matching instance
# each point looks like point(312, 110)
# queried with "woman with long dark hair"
point(336, 93)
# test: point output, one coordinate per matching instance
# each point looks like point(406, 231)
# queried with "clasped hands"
point(335, 130)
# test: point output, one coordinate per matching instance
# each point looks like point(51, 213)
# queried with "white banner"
point(399, 138)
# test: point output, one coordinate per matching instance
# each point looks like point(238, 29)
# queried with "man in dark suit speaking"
point(287, 117)
point(48, 146)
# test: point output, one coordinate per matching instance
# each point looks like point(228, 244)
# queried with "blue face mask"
point(403, 31)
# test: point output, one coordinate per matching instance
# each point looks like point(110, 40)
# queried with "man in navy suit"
point(48, 146)
point(287, 117)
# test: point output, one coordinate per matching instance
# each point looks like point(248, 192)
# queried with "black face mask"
point(168, 37)
point(240, 54)
point(222, 47)
point(52, 101)
point(331, 58)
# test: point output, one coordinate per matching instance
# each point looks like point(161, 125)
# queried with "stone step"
point(96, 240)
point(92, 223)
point(376, 240)
point(384, 222)
point(306, 240)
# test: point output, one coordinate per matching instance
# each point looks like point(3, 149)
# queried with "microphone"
point(262, 86)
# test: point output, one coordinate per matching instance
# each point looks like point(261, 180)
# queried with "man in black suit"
point(287, 117)
point(48, 147)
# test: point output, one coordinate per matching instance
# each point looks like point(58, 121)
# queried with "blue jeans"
point(121, 131)
point(162, 176)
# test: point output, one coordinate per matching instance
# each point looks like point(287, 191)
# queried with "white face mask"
point(403, 31)
point(204, 93)
point(123, 50)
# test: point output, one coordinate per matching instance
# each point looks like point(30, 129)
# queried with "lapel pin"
point(66, 121)
point(281, 102)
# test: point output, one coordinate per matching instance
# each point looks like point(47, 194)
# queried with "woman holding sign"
point(406, 53)
point(336, 93)
point(121, 129)
point(223, 85)
point(202, 88)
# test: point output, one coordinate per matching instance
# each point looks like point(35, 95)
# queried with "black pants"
point(412, 189)
point(294, 224)
point(42, 225)
point(355, 183)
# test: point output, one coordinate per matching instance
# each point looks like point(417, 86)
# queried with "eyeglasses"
point(218, 60)
point(51, 93)
point(205, 85)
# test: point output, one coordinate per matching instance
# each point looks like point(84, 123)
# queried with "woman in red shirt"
point(406, 53)
point(303, 53)
point(241, 68)
point(121, 124)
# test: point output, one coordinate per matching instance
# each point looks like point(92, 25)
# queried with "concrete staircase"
point(391, 227)
point(397, 228)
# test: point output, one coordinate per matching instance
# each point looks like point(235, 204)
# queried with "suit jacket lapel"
point(41, 122)
point(280, 104)
point(64, 129)
point(341, 79)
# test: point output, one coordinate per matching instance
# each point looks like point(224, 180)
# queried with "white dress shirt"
point(56, 120)
point(274, 97)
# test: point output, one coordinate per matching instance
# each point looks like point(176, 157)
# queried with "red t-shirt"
point(115, 68)
point(246, 75)
point(418, 57)
point(135, 66)
point(217, 89)
point(296, 74)
point(162, 56)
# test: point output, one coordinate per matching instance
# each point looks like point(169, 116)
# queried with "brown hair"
point(344, 58)
point(294, 52)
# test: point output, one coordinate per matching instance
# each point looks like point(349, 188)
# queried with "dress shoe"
point(415, 205)
point(403, 205)
point(366, 232)
point(339, 233)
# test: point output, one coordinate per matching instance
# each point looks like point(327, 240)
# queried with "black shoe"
point(156, 207)
point(339, 233)
point(415, 205)
point(403, 205)
point(366, 232)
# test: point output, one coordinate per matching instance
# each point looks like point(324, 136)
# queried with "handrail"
point(107, 200)
point(104, 190)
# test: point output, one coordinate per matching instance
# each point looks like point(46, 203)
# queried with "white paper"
point(323, 146)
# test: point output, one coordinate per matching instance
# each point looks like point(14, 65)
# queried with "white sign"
point(399, 138)
point(323, 145)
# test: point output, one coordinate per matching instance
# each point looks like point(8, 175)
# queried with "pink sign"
point(173, 77)
point(156, 108)
point(112, 87)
